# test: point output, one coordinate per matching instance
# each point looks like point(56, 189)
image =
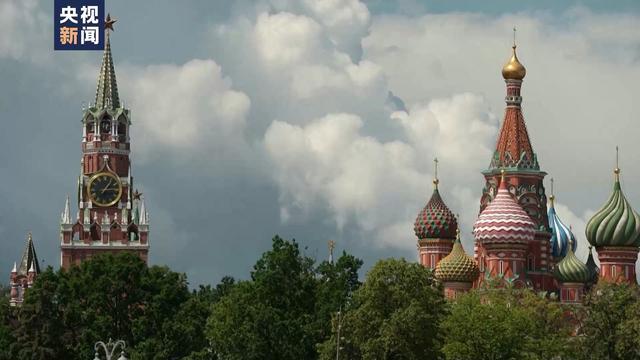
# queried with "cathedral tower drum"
point(111, 216)
point(514, 154)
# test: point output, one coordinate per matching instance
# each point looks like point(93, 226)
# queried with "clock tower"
point(111, 216)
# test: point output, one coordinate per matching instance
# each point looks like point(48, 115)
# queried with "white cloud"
point(284, 39)
point(296, 65)
point(378, 186)
point(23, 30)
point(189, 108)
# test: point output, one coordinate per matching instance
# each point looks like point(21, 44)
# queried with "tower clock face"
point(104, 189)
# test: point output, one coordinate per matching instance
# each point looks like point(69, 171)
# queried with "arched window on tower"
point(122, 131)
point(531, 261)
point(433, 261)
point(95, 232)
point(501, 267)
point(132, 233)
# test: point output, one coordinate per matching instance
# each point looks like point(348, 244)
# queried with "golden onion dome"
point(457, 266)
point(513, 69)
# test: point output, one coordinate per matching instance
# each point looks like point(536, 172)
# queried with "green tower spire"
point(107, 91)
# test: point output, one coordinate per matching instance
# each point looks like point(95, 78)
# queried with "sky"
point(315, 120)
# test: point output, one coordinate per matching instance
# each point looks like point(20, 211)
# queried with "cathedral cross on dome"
point(435, 176)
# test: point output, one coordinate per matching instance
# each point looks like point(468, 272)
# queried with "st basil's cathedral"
point(519, 241)
point(111, 217)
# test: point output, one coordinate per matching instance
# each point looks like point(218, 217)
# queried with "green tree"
point(269, 316)
point(116, 296)
point(38, 335)
point(395, 314)
point(506, 324)
point(285, 309)
point(611, 314)
point(628, 347)
point(336, 283)
point(6, 337)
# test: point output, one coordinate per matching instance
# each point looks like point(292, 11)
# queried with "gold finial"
point(108, 23)
point(502, 172)
point(552, 197)
point(570, 238)
point(435, 177)
point(513, 69)
point(617, 169)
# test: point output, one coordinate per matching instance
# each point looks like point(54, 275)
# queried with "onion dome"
point(571, 270)
point(561, 235)
point(513, 69)
point(457, 266)
point(504, 220)
point(435, 220)
point(594, 270)
point(616, 223)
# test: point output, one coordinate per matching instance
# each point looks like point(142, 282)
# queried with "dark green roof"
point(107, 91)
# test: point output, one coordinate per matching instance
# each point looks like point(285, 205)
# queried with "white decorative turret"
point(15, 268)
point(144, 217)
point(66, 214)
point(105, 219)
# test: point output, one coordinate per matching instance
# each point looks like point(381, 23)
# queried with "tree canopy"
point(283, 311)
point(292, 307)
point(394, 315)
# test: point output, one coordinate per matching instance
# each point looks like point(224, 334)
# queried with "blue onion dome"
point(571, 270)
point(616, 223)
point(594, 270)
point(561, 235)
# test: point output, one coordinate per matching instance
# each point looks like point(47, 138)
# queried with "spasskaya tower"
point(111, 216)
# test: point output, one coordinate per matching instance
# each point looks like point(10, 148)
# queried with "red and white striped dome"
point(504, 220)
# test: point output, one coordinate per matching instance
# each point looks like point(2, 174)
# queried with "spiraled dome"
point(435, 220)
point(561, 235)
point(504, 220)
point(616, 224)
point(572, 270)
point(457, 266)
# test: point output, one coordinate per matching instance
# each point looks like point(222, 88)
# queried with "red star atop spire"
point(108, 22)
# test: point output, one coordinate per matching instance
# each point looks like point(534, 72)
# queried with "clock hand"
point(106, 187)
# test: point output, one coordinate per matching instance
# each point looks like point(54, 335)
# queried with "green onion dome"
point(571, 270)
point(616, 224)
point(457, 266)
